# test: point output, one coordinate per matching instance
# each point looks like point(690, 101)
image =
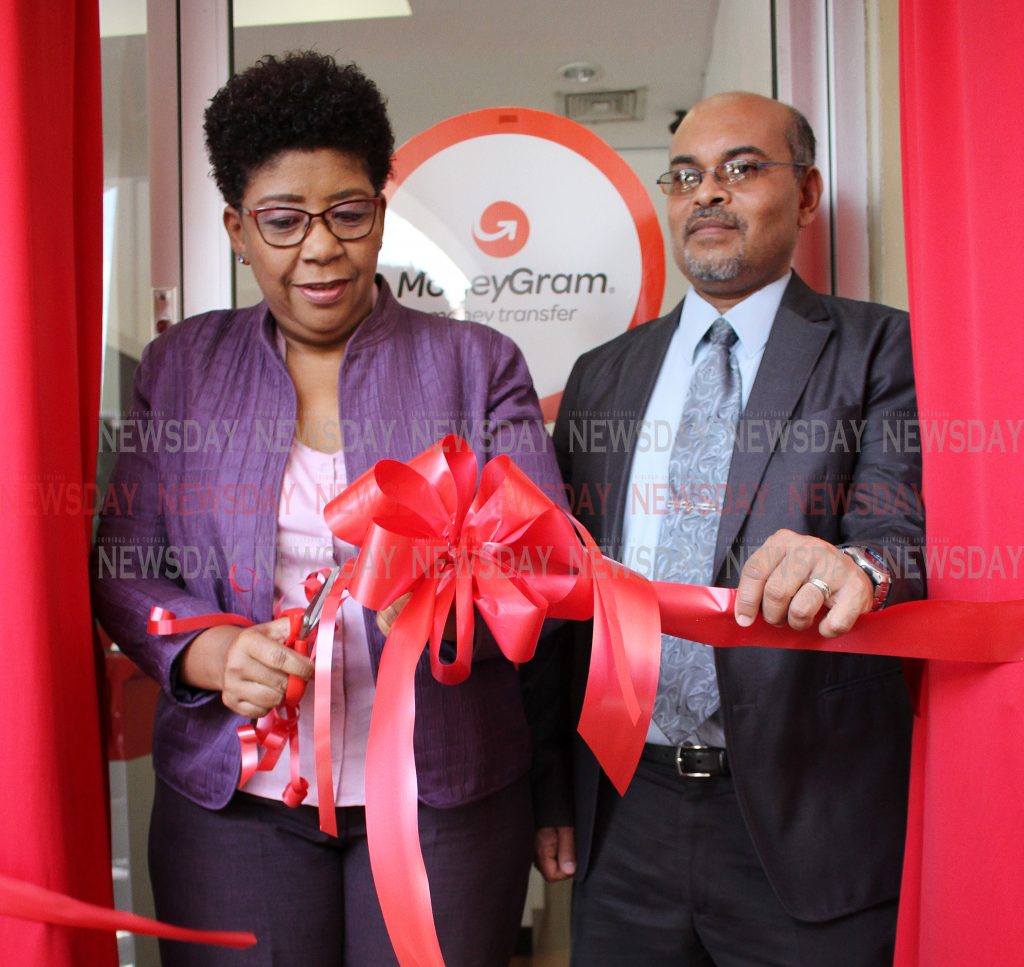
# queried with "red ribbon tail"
point(26, 901)
point(392, 825)
point(612, 725)
point(323, 664)
point(249, 743)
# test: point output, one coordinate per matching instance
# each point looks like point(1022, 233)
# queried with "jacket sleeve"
point(516, 426)
point(886, 510)
point(133, 566)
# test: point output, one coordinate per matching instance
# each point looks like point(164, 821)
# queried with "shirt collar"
point(751, 319)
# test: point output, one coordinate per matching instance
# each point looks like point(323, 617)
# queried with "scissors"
point(300, 633)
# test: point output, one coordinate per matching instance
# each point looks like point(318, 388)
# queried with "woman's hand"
point(248, 666)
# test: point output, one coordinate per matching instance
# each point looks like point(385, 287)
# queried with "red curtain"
point(53, 820)
point(963, 141)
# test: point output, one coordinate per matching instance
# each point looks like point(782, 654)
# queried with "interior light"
point(263, 13)
point(122, 18)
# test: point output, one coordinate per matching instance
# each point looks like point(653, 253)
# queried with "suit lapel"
point(632, 394)
point(799, 333)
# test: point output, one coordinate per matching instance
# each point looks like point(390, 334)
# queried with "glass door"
point(166, 253)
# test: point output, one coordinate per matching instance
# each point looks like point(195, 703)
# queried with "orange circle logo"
point(502, 230)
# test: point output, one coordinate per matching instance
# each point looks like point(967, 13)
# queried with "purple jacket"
point(202, 454)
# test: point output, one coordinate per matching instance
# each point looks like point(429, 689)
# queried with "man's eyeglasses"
point(347, 221)
point(728, 173)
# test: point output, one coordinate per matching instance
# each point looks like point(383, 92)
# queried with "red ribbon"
point(164, 622)
point(323, 663)
point(506, 550)
point(27, 901)
point(938, 630)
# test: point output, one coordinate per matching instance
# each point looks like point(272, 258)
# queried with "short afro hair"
point(300, 102)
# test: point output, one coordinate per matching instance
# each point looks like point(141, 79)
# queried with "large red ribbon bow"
point(504, 549)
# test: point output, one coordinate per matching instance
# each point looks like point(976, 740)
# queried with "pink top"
point(304, 543)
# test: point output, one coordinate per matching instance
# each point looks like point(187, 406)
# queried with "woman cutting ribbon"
point(301, 149)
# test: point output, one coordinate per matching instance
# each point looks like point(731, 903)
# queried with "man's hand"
point(554, 852)
point(386, 617)
point(776, 581)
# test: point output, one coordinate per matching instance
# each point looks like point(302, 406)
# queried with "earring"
point(241, 259)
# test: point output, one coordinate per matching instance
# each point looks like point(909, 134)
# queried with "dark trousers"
point(309, 898)
point(674, 881)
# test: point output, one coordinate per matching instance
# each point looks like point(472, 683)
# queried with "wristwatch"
point(874, 567)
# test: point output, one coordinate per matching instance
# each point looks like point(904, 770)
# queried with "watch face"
point(876, 570)
point(875, 559)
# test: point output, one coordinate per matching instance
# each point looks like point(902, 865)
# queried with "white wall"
point(885, 196)
point(741, 54)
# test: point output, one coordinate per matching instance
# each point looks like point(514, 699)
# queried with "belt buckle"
point(679, 762)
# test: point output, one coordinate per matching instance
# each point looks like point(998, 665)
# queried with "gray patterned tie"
point(697, 473)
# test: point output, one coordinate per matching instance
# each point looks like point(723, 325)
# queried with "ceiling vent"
point(593, 107)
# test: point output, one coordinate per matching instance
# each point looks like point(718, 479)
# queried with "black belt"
point(690, 761)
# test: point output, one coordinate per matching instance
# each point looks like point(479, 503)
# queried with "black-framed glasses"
point(347, 221)
point(679, 181)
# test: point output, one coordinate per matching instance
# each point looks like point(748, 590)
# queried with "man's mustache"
point(719, 216)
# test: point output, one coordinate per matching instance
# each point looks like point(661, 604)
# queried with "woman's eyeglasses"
point(347, 221)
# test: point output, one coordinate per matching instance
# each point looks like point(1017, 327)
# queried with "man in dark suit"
point(770, 829)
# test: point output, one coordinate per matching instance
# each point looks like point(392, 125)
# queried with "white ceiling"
point(453, 56)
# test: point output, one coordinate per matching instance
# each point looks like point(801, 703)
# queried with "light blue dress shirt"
point(647, 493)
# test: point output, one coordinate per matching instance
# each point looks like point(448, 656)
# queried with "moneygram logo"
point(502, 230)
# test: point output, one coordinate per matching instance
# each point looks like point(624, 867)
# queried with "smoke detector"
point(580, 72)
